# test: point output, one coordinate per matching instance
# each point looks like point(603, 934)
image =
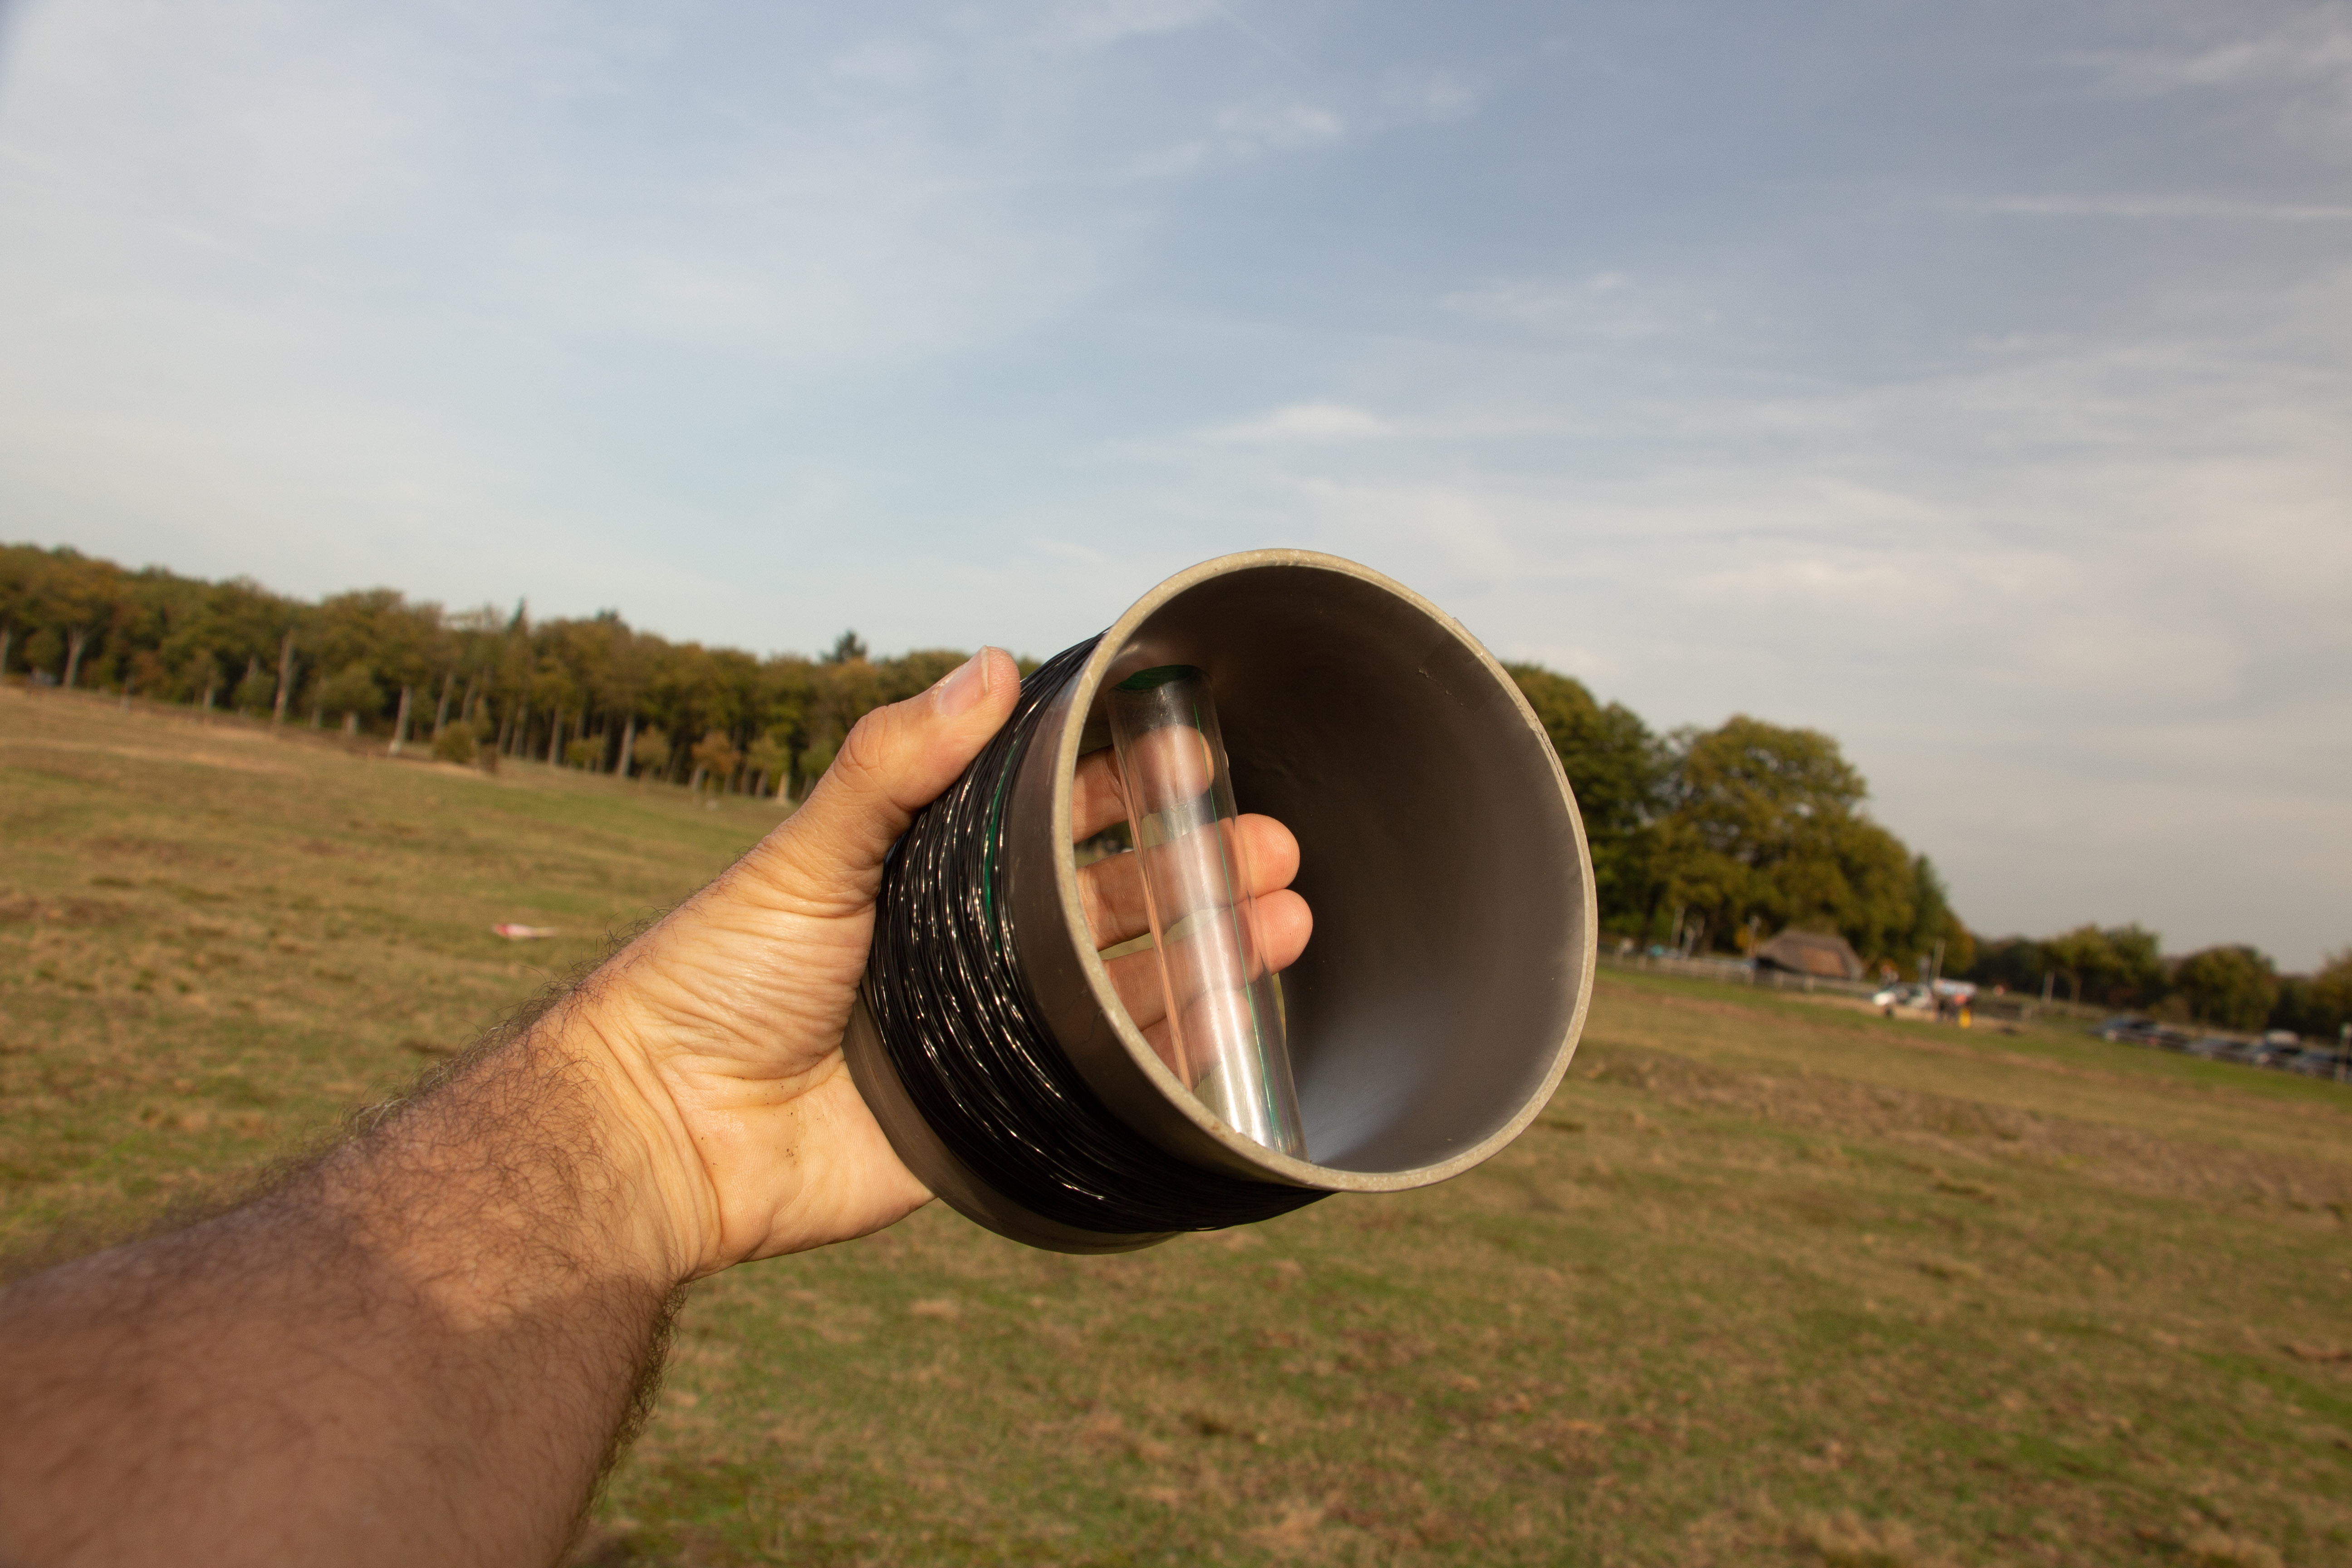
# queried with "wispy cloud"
point(2293, 70)
point(1100, 22)
point(1604, 304)
point(2161, 208)
point(1239, 133)
point(2225, 49)
point(1310, 422)
point(896, 64)
point(1432, 96)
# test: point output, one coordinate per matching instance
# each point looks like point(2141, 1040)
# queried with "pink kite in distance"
point(514, 933)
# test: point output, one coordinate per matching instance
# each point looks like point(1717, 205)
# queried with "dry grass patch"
point(1769, 1283)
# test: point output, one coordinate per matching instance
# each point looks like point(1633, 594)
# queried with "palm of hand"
point(724, 1020)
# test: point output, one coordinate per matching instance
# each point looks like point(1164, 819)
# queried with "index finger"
point(1098, 798)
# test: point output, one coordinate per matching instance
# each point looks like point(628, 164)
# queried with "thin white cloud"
point(1314, 422)
point(1099, 22)
point(2312, 44)
point(1248, 128)
point(1240, 134)
point(1432, 96)
point(2294, 70)
point(1602, 304)
point(2158, 207)
point(894, 64)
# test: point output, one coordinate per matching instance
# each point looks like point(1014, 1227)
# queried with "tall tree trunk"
point(441, 714)
point(400, 725)
point(7, 636)
point(209, 687)
point(285, 679)
point(252, 669)
point(352, 723)
point(522, 730)
point(628, 746)
point(505, 727)
point(555, 738)
point(76, 641)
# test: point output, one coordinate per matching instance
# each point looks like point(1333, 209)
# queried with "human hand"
point(715, 1036)
point(1113, 895)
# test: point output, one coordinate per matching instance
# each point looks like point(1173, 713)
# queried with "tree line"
point(1716, 839)
point(2230, 987)
point(474, 686)
point(1751, 828)
point(1709, 840)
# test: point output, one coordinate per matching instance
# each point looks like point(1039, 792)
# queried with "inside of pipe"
point(1436, 853)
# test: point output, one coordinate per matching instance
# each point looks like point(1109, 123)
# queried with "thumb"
point(896, 761)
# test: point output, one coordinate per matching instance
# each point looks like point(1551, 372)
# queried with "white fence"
point(1740, 972)
point(1737, 972)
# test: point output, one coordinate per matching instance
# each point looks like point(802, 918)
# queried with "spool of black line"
point(1434, 1009)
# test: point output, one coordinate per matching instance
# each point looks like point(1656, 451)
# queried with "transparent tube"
point(1223, 1033)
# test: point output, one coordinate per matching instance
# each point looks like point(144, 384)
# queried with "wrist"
point(537, 1170)
point(663, 1209)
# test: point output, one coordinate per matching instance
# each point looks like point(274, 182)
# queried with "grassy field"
point(1771, 1282)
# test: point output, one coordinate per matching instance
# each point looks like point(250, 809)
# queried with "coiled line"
point(967, 1038)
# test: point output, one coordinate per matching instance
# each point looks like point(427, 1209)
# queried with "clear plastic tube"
point(1223, 1035)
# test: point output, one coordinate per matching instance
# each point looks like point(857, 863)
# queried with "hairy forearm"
point(424, 1348)
point(420, 1348)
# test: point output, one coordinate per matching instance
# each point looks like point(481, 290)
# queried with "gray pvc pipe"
point(1441, 998)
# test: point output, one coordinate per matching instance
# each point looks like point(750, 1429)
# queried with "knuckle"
point(861, 757)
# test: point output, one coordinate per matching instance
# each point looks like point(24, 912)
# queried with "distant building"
point(1821, 954)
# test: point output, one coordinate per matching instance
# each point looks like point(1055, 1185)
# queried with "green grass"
point(211, 943)
point(1771, 1282)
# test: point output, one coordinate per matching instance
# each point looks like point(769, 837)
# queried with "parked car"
point(2314, 1061)
point(2250, 1053)
point(2212, 1047)
point(1905, 996)
point(2124, 1027)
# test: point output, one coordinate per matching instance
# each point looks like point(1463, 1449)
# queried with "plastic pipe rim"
point(1072, 988)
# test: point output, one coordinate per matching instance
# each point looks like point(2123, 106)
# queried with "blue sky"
point(1973, 381)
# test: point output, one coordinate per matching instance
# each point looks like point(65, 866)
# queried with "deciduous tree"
point(715, 757)
point(653, 752)
point(1620, 773)
point(1765, 830)
point(2233, 986)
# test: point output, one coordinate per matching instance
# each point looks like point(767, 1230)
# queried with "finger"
point(1171, 764)
point(1098, 800)
point(828, 855)
point(1213, 958)
point(1284, 924)
point(1285, 927)
point(1110, 890)
point(1136, 977)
